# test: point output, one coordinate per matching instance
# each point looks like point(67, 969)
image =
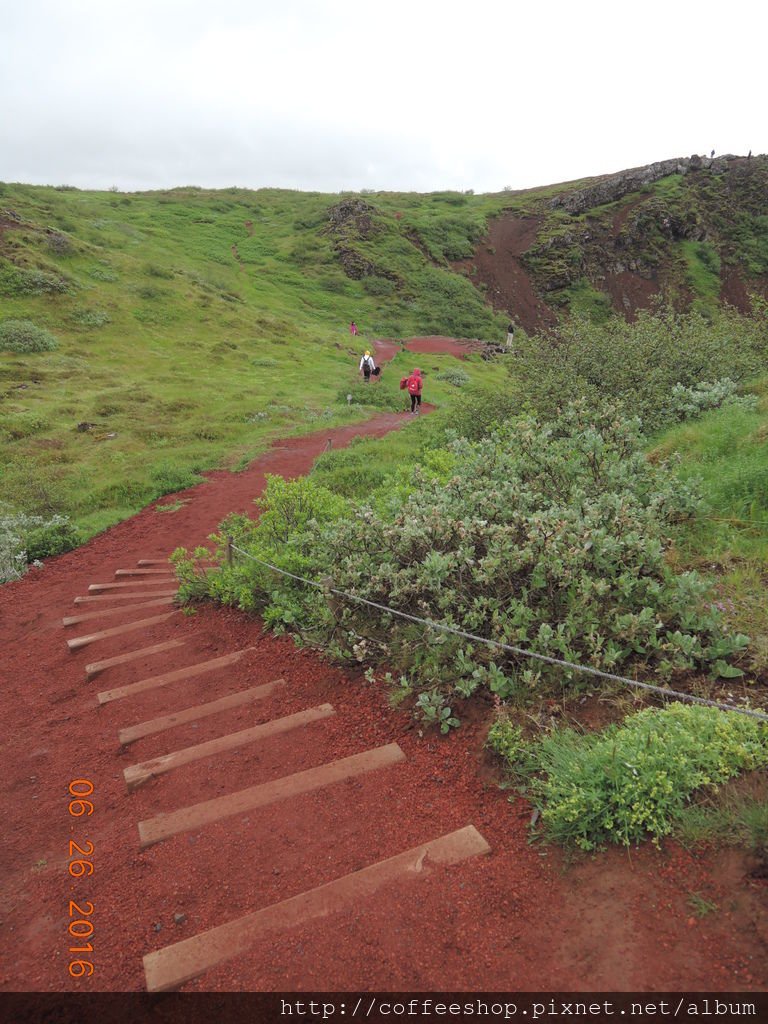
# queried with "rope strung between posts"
point(505, 647)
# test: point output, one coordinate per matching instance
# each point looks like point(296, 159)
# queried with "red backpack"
point(414, 385)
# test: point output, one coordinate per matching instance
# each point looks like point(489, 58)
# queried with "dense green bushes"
point(634, 779)
point(549, 537)
point(640, 364)
point(23, 336)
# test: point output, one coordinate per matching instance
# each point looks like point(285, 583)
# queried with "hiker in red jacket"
point(414, 384)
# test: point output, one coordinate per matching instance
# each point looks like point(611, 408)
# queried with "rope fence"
point(520, 651)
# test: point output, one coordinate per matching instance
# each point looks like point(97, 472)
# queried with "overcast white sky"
point(349, 94)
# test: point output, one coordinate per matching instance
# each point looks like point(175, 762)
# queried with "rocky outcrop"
point(616, 186)
point(352, 216)
point(353, 220)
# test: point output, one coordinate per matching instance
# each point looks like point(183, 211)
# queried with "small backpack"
point(413, 385)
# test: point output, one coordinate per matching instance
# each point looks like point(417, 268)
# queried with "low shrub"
point(546, 536)
point(91, 318)
point(635, 779)
point(484, 408)
point(25, 539)
point(53, 537)
point(282, 537)
point(641, 365)
point(688, 402)
point(23, 336)
point(455, 376)
point(20, 281)
point(375, 394)
point(102, 274)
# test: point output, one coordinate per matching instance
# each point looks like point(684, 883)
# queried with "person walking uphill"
point(413, 385)
point(368, 366)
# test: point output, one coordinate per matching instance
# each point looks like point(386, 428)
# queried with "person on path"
point(414, 384)
point(353, 328)
point(510, 334)
point(367, 366)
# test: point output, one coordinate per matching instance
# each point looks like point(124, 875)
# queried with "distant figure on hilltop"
point(510, 334)
point(367, 366)
point(353, 328)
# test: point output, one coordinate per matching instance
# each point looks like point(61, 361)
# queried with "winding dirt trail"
point(263, 822)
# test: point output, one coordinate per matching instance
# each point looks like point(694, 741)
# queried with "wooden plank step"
point(97, 667)
point(146, 562)
point(94, 598)
point(137, 774)
point(154, 830)
point(98, 587)
point(170, 967)
point(105, 634)
point(73, 620)
point(144, 572)
point(234, 700)
point(171, 677)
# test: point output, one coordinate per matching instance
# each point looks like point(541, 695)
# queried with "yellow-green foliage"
point(633, 780)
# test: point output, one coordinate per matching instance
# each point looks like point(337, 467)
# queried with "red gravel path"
point(512, 920)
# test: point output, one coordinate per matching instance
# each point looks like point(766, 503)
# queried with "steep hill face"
point(693, 232)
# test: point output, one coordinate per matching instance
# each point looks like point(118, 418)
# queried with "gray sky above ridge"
point(330, 95)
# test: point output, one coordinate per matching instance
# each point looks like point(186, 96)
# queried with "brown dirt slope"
point(627, 244)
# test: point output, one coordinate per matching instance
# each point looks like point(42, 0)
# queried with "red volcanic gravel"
point(517, 919)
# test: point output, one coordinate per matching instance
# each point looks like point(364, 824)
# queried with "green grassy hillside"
point(195, 326)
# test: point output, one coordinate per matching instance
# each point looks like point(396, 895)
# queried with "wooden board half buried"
point(153, 830)
point(105, 634)
point(96, 667)
point(234, 700)
point(188, 672)
point(170, 967)
point(137, 774)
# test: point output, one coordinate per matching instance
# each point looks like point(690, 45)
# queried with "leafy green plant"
point(281, 537)
point(505, 738)
point(700, 905)
point(25, 539)
point(91, 318)
point(546, 536)
point(434, 711)
point(23, 336)
point(634, 779)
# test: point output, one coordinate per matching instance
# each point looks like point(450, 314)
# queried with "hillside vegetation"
point(596, 495)
point(145, 337)
point(191, 327)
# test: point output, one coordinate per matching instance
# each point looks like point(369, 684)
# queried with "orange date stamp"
point(80, 866)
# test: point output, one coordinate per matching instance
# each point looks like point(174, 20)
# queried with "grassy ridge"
point(193, 327)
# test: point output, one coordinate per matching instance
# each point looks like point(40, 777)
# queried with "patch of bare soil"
point(497, 265)
point(738, 293)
